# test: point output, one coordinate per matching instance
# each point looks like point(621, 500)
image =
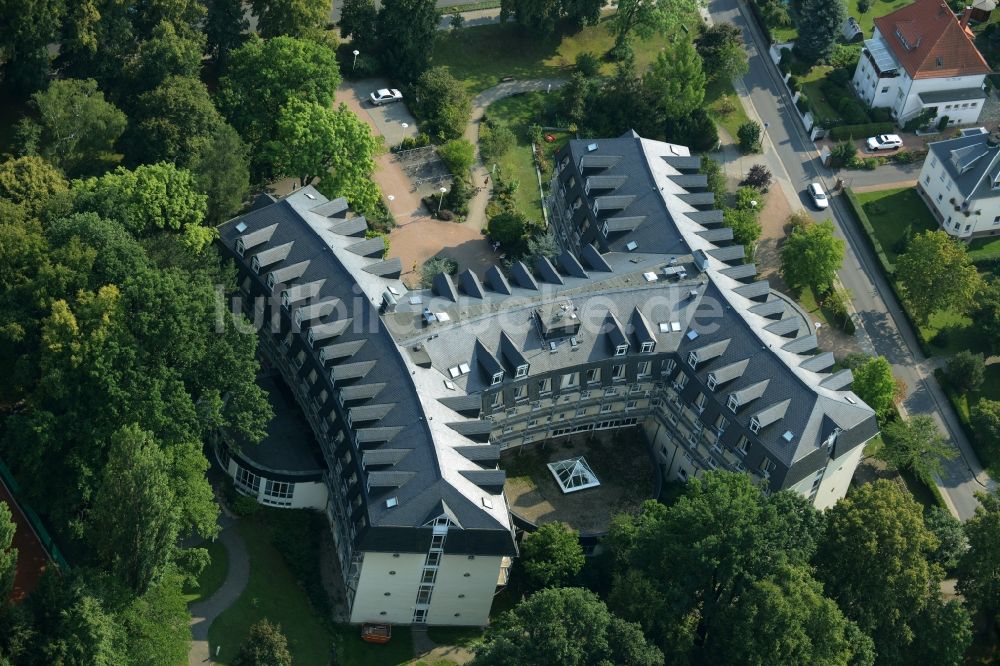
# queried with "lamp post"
point(356, 54)
point(390, 199)
point(402, 134)
point(441, 198)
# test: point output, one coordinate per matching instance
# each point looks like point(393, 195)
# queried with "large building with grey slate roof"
point(648, 318)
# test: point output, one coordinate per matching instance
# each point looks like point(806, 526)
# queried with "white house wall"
point(837, 478)
point(939, 189)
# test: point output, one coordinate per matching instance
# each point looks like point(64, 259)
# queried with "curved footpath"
point(204, 612)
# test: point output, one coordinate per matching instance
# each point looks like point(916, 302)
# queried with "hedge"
point(761, 23)
point(859, 212)
point(962, 410)
point(860, 131)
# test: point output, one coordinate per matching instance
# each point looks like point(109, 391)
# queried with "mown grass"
point(891, 212)
point(212, 576)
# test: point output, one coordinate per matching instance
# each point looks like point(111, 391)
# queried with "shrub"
point(697, 131)
point(880, 114)
point(758, 177)
point(904, 157)
point(966, 371)
point(418, 141)
point(442, 102)
point(495, 140)
point(843, 153)
point(749, 198)
point(840, 77)
point(836, 302)
point(458, 155)
point(864, 6)
point(798, 220)
point(902, 243)
point(436, 265)
point(802, 104)
point(793, 83)
point(871, 163)
point(509, 229)
point(457, 198)
point(588, 63)
point(845, 55)
point(942, 123)
point(941, 338)
point(749, 135)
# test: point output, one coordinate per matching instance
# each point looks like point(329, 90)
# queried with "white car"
point(385, 96)
point(818, 196)
point(884, 142)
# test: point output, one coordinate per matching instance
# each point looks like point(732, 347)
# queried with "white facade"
point(943, 197)
point(895, 90)
point(392, 588)
point(270, 492)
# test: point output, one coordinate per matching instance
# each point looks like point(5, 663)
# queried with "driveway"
point(387, 120)
point(791, 156)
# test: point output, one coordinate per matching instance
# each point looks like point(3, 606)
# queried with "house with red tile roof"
point(922, 57)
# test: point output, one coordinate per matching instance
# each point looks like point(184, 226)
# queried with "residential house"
point(921, 57)
point(960, 182)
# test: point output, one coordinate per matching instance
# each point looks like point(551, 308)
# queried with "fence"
point(34, 521)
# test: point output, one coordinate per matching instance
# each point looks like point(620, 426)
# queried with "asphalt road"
point(791, 156)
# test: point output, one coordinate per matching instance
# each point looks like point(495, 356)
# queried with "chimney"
point(966, 15)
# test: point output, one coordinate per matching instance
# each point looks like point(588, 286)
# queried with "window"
point(741, 446)
point(424, 594)
point(643, 369)
point(699, 402)
point(522, 371)
point(693, 360)
point(766, 465)
point(940, 194)
point(247, 481)
point(681, 381)
point(497, 378)
point(545, 386)
point(584, 395)
point(593, 375)
point(734, 402)
point(497, 399)
point(720, 424)
point(240, 247)
point(621, 350)
point(605, 409)
point(520, 392)
point(618, 373)
point(570, 380)
point(927, 179)
point(278, 492)
point(610, 392)
point(668, 366)
point(754, 425)
point(647, 347)
point(535, 406)
point(933, 162)
point(630, 404)
point(712, 382)
point(885, 89)
point(581, 412)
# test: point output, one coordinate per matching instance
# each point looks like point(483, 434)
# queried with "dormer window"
point(270, 282)
point(522, 371)
point(693, 360)
point(240, 247)
point(255, 265)
point(754, 425)
point(712, 382)
point(647, 347)
point(309, 335)
point(996, 181)
point(734, 402)
point(285, 300)
point(604, 227)
point(621, 350)
point(497, 378)
point(597, 207)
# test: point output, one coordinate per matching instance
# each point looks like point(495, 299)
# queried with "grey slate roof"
point(976, 152)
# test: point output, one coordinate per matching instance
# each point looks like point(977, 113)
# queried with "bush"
point(495, 140)
point(457, 198)
point(860, 131)
point(843, 153)
point(871, 163)
point(418, 141)
point(749, 198)
point(966, 371)
point(864, 6)
point(436, 265)
point(802, 104)
point(845, 55)
point(758, 177)
point(941, 338)
point(798, 220)
point(902, 243)
point(793, 83)
point(442, 102)
point(509, 229)
point(588, 63)
point(458, 155)
point(904, 157)
point(836, 302)
point(749, 135)
point(840, 77)
point(880, 114)
point(942, 123)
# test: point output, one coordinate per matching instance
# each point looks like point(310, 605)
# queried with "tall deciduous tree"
point(985, 418)
point(536, 16)
point(897, 602)
point(27, 27)
point(312, 141)
point(263, 75)
point(950, 534)
point(78, 126)
point(264, 646)
point(936, 274)
point(874, 383)
point(818, 32)
point(406, 31)
point(135, 521)
point(916, 444)
point(220, 163)
point(676, 81)
point(30, 182)
point(986, 313)
point(966, 371)
point(8, 554)
point(225, 25)
point(811, 256)
point(722, 51)
point(442, 103)
point(564, 626)
point(358, 21)
point(552, 556)
point(979, 568)
point(746, 228)
point(296, 18)
point(645, 17)
point(164, 55)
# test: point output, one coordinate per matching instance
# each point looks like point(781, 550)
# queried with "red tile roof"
point(930, 42)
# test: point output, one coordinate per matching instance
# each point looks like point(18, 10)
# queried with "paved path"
point(791, 156)
point(203, 613)
point(477, 206)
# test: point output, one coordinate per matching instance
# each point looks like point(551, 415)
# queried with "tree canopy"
point(645, 17)
point(552, 556)
point(264, 646)
point(565, 626)
point(722, 51)
point(443, 104)
point(966, 371)
point(986, 313)
point(818, 34)
point(30, 182)
point(225, 24)
point(935, 273)
point(979, 567)
point(295, 18)
point(8, 554)
point(811, 256)
point(676, 81)
point(406, 31)
point(916, 444)
point(875, 384)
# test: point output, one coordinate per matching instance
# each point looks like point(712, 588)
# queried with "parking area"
point(386, 119)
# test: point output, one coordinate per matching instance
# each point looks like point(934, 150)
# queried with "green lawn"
point(823, 112)
point(984, 248)
point(466, 637)
point(212, 576)
point(724, 106)
point(273, 592)
point(891, 211)
point(352, 650)
point(483, 55)
point(878, 8)
point(519, 112)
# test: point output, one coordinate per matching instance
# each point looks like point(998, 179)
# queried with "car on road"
point(884, 142)
point(818, 196)
point(385, 96)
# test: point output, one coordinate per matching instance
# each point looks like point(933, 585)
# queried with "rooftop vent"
point(631, 246)
point(310, 196)
point(553, 347)
point(788, 436)
point(487, 502)
point(591, 147)
point(241, 227)
point(391, 502)
point(574, 342)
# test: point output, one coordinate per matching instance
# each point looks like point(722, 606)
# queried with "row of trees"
point(727, 574)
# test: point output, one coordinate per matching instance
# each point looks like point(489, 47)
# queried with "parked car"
point(818, 196)
point(385, 96)
point(884, 142)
